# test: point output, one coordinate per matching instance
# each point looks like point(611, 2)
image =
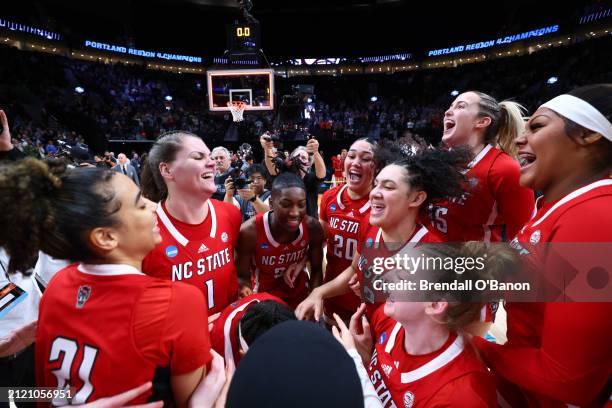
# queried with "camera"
point(245, 153)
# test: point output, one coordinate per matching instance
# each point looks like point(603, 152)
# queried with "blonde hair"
point(507, 122)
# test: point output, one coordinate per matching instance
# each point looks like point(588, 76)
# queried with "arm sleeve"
point(515, 202)
point(474, 390)
point(573, 362)
point(370, 397)
point(171, 327)
point(14, 154)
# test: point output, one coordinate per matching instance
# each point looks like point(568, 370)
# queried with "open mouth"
point(448, 125)
point(208, 176)
point(526, 159)
point(376, 209)
point(354, 176)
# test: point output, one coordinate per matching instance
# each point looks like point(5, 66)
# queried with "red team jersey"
point(201, 255)
point(450, 376)
point(494, 200)
point(272, 258)
point(343, 217)
point(558, 353)
point(371, 245)
point(224, 334)
point(104, 329)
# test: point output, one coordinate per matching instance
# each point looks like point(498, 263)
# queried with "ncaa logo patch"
point(382, 338)
point(408, 399)
point(332, 207)
point(224, 237)
point(171, 251)
point(82, 296)
point(265, 245)
point(535, 237)
point(369, 242)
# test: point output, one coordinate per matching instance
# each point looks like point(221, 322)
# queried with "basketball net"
point(237, 110)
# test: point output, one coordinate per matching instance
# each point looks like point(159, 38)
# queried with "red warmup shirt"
point(104, 329)
point(272, 258)
point(224, 334)
point(558, 353)
point(452, 376)
point(343, 217)
point(494, 199)
point(201, 255)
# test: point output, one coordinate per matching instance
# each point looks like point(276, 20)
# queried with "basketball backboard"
point(254, 87)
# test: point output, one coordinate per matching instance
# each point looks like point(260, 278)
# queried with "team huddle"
point(165, 277)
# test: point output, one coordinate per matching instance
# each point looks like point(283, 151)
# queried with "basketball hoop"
point(237, 110)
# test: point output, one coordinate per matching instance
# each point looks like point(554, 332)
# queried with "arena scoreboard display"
point(243, 38)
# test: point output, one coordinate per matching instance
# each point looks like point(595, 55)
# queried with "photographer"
point(305, 161)
point(250, 196)
point(223, 169)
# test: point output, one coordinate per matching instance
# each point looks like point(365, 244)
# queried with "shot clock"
point(243, 39)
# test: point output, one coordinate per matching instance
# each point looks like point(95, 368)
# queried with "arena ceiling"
point(317, 28)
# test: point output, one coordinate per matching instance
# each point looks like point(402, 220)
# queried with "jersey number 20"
point(344, 248)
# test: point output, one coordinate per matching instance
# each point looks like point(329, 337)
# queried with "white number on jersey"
point(438, 221)
point(344, 251)
point(210, 290)
point(70, 348)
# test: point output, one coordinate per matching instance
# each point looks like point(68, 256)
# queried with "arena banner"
point(538, 32)
point(141, 53)
point(514, 272)
point(10, 25)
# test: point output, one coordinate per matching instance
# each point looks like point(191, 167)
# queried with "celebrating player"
point(104, 327)
point(275, 246)
point(198, 233)
point(421, 356)
point(341, 211)
point(558, 354)
point(494, 206)
point(400, 191)
point(242, 322)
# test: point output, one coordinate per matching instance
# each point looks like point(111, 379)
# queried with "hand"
point(245, 290)
point(5, 136)
point(229, 186)
point(230, 368)
point(342, 334)
point(209, 390)
point(18, 339)
point(246, 194)
point(265, 144)
point(360, 330)
point(310, 307)
point(312, 146)
point(292, 272)
point(120, 400)
point(355, 285)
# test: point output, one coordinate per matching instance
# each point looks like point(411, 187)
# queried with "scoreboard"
point(243, 39)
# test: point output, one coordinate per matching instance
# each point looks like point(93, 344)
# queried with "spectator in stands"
point(306, 162)
point(50, 148)
point(222, 159)
point(254, 198)
point(126, 168)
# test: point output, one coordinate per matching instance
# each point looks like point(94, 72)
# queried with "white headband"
point(581, 112)
point(243, 344)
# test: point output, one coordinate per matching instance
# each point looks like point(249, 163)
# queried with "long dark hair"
point(51, 213)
